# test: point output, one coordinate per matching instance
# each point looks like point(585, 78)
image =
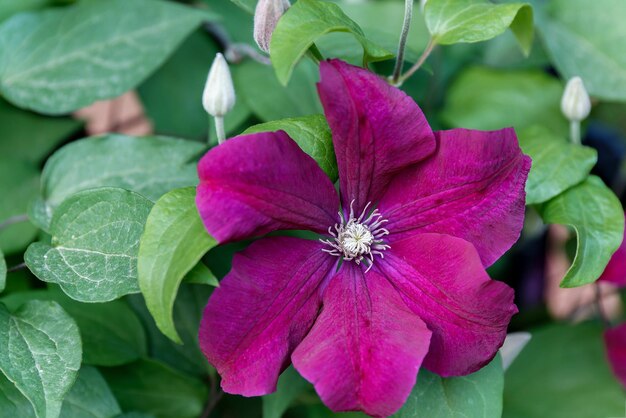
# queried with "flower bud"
point(219, 93)
point(266, 17)
point(575, 103)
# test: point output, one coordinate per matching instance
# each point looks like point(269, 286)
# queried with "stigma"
point(358, 239)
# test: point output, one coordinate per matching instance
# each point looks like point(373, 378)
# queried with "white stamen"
point(358, 239)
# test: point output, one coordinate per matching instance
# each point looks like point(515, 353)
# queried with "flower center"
point(357, 239)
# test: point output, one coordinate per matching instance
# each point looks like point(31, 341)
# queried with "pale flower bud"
point(266, 17)
point(575, 103)
point(219, 93)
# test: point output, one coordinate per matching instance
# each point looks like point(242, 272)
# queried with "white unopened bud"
point(575, 103)
point(219, 93)
point(266, 17)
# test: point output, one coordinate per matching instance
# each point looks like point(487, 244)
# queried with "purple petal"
point(615, 271)
point(258, 183)
point(615, 340)
point(442, 279)
point(366, 347)
point(262, 310)
point(471, 188)
point(377, 130)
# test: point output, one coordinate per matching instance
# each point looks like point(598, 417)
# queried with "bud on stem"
point(266, 17)
point(575, 105)
point(218, 97)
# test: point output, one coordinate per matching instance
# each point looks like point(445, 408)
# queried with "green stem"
point(406, 25)
point(429, 48)
point(315, 54)
point(219, 129)
point(13, 220)
point(574, 132)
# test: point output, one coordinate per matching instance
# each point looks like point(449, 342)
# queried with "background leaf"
point(313, 136)
point(3, 272)
point(597, 216)
point(173, 242)
point(257, 85)
point(90, 397)
point(302, 24)
point(12, 403)
point(19, 181)
point(580, 37)
point(40, 352)
point(563, 370)
point(487, 99)
point(188, 308)
point(31, 137)
point(95, 239)
point(557, 164)
point(150, 386)
point(290, 386)
point(478, 395)
point(455, 21)
point(56, 61)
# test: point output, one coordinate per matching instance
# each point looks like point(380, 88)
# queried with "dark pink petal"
point(472, 188)
point(615, 340)
point(258, 183)
point(377, 130)
point(615, 271)
point(366, 347)
point(443, 281)
point(262, 310)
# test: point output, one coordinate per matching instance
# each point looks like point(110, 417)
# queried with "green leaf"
point(268, 99)
point(582, 39)
point(31, 137)
point(200, 274)
point(476, 395)
point(152, 387)
point(173, 242)
point(95, 240)
point(90, 397)
point(487, 99)
point(457, 21)
point(557, 164)
point(290, 386)
point(563, 373)
point(19, 182)
point(112, 334)
point(40, 352)
point(247, 5)
point(3, 272)
point(188, 309)
point(150, 166)
point(306, 21)
point(597, 216)
point(312, 134)
point(11, 7)
point(59, 60)
point(369, 15)
point(12, 403)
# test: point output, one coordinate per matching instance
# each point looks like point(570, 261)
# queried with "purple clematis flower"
point(398, 278)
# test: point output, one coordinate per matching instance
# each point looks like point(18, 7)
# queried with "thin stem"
point(219, 129)
point(20, 266)
point(418, 64)
point(406, 25)
point(574, 131)
point(13, 220)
